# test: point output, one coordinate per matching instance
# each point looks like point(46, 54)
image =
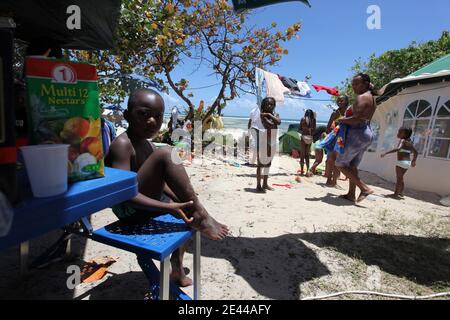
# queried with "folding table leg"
point(24, 251)
point(164, 279)
point(197, 255)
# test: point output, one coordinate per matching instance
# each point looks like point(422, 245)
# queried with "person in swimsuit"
point(158, 176)
point(331, 172)
point(359, 136)
point(404, 149)
point(307, 129)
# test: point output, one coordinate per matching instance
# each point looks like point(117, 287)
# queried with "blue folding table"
point(156, 239)
point(34, 217)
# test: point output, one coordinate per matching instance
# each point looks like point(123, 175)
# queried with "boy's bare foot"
point(179, 277)
point(266, 187)
point(364, 194)
point(309, 174)
point(207, 225)
point(212, 229)
point(348, 198)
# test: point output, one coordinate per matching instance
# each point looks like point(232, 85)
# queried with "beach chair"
point(155, 239)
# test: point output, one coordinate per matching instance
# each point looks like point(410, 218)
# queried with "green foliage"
point(398, 63)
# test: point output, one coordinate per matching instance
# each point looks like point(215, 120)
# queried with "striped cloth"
point(108, 135)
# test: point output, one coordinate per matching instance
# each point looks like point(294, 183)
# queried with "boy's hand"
point(413, 163)
point(383, 155)
point(177, 209)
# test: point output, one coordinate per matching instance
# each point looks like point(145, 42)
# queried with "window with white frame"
point(418, 116)
point(439, 146)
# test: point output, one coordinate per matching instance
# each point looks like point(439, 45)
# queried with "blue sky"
point(333, 35)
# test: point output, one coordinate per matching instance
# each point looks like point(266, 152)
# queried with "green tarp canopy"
point(290, 141)
point(240, 5)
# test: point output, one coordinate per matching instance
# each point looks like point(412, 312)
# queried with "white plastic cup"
point(47, 166)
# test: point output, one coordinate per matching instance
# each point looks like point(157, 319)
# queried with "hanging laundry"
point(275, 87)
point(259, 78)
point(305, 90)
point(291, 84)
point(332, 91)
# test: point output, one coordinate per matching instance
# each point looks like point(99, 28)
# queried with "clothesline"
point(280, 87)
point(309, 99)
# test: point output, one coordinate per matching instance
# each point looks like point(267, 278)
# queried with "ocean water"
point(238, 126)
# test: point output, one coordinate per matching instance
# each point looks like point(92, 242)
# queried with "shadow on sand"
point(424, 261)
point(335, 201)
point(275, 267)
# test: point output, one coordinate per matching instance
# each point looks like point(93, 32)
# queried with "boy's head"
point(404, 133)
point(268, 105)
point(145, 112)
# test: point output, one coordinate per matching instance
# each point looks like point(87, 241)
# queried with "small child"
point(404, 150)
point(318, 152)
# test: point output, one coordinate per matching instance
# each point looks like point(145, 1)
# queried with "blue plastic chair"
point(155, 239)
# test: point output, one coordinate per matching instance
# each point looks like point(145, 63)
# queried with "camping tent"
point(420, 101)
point(289, 141)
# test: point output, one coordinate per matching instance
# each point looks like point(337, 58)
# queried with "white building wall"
point(432, 175)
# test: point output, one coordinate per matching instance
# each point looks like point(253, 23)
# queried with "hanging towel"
point(305, 90)
point(335, 140)
point(332, 91)
point(275, 87)
point(341, 135)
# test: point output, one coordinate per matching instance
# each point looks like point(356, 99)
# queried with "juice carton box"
point(63, 107)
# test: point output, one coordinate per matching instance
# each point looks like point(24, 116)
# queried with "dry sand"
point(285, 244)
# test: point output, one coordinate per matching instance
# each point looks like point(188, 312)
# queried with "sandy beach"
point(290, 243)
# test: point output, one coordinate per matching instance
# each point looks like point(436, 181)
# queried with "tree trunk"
point(190, 114)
